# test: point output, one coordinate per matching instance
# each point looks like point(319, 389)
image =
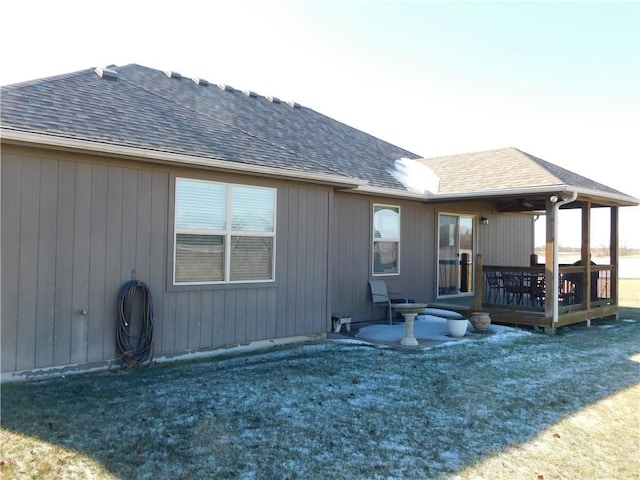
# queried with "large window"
point(455, 254)
point(223, 232)
point(386, 240)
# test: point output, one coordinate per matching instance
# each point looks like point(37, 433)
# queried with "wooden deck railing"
point(523, 288)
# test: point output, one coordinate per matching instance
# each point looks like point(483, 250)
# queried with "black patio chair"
point(494, 286)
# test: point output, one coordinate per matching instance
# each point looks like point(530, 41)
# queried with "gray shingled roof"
point(507, 169)
point(145, 108)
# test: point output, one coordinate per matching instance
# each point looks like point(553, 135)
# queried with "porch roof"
point(519, 180)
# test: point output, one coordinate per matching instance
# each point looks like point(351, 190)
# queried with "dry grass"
point(601, 441)
point(519, 406)
point(629, 292)
point(24, 456)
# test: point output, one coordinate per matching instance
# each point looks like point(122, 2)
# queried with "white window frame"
point(226, 233)
point(375, 240)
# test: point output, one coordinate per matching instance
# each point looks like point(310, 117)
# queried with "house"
point(252, 220)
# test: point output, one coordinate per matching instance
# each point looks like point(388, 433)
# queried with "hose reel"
point(135, 347)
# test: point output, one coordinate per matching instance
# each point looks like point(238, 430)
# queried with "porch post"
point(585, 257)
point(479, 280)
point(551, 295)
point(613, 253)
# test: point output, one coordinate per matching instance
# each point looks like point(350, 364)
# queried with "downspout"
point(556, 264)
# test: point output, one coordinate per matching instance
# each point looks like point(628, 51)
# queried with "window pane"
point(199, 258)
point(253, 209)
point(385, 257)
point(201, 205)
point(466, 233)
point(251, 258)
point(386, 222)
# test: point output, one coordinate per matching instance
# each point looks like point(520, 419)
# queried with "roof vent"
point(200, 81)
point(171, 74)
point(226, 88)
point(249, 93)
point(293, 104)
point(273, 99)
point(106, 73)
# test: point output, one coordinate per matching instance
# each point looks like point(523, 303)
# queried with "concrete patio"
point(429, 330)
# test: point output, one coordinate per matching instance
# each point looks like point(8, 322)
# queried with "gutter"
point(491, 195)
point(622, 199)
point(556, 263)
point(17, 137)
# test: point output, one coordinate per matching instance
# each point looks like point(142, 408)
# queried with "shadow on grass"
point(630, 313)
point(329, 410)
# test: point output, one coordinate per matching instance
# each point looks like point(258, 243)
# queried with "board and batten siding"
point(507, 240)
point(351, 251)
point(76, 228)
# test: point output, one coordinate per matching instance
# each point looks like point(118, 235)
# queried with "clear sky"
point(559, 80)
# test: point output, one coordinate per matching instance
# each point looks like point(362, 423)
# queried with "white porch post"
point(553, 204)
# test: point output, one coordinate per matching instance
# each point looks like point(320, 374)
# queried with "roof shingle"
point(145, 108)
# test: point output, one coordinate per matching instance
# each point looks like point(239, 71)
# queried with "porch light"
point(484, 220)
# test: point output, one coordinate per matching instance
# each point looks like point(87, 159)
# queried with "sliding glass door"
point(455, 254)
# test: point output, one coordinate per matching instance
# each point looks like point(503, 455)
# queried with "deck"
point(518, 295)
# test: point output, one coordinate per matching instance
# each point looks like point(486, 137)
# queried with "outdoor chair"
point(538, 290)
point(494, 286)
point(380, 296)
point(514, 288)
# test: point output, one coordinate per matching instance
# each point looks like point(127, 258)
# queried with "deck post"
point(479, 282)
point(585, 256)
point(613, 253)
point(549, 262)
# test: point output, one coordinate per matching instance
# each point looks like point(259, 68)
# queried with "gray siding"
point(75, 229)
point(351, 248)
point(507, 240)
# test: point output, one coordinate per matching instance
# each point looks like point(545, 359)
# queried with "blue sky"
point(559, 80)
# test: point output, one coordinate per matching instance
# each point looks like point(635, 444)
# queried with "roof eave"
point(389, 192)
point(614, 199)
point(21, 137)
point(595, 195)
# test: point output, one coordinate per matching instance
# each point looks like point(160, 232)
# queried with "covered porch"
point(550, 294)
point(527, 291)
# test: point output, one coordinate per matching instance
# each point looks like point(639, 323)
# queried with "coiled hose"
point(134, 348)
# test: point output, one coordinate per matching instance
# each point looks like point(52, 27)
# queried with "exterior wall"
point(76, 228)
point(507, 240)
point(351, 246)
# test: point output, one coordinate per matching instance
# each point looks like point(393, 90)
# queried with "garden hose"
point(135, 348)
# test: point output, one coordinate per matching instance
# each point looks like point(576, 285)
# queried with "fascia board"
point(621, 200)
point(19, 137)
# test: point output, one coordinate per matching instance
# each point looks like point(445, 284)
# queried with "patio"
point(429, 330)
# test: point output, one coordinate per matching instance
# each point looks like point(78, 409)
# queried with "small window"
point(223, 232)
point(386, 240)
